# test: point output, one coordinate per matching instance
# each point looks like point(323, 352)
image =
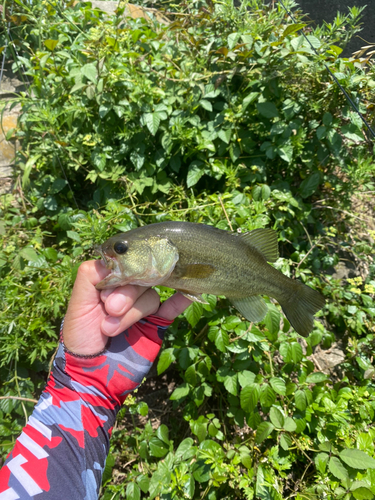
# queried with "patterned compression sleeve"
point(61, 452)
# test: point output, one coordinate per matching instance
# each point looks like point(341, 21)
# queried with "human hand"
point(94, 315)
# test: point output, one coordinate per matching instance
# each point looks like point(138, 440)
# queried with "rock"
point(9, 86)
point(326, 359)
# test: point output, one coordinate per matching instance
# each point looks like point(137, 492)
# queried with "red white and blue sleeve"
point(61, 452)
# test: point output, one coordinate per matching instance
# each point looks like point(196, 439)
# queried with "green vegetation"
point(225, 116)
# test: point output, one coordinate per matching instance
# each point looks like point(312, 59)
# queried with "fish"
point(197, 259)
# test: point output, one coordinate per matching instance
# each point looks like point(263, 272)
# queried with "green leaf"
point(249, 99)
point(278, 385)
point(267, 109)
point(77, 87)
point(266, 192)
point(158, 448)
point(297, 353)
point(109, 463)
point(50, 203)
point(143, 482)
point(191, 376)
point(285, 441)
point(233, 39)
point(337, 468)
point(199, 429)
point(267, 395)
point(246, 461)
point(201, 471)
point(189, 487)
point(163, 433)
point(263, 431)
point(225, 135)
point(90, 72)
point(315, 42)
point(289, 424)
point(286, 153)
point(272, 320)
point(195, 172)
point(230, 383)
point(142, 408)
point(206, 104)
point(175, 163)
point(276, 417)
point(309, 185)
point(325, 446)
point(152, 121)
point(286, 352)
point(360, 491)
point(210, 91)
point(186, 449)
point(50, 254)
point(321, 460)
point(249, 397)
point(300, 400)
point(246, 378)
point(73, 236)
point(211, 299)
point(335, 49)
point(316, 378)
point(248, 39)
point(58, 185)
point(166, 358)
point(180, 392)
point(221, 340)
point(51, 44)
point(352, 132)
point(133, 492)
point(29, 254)
point(104, 109)
point(292, 28)
point(357, 459)
point(194, 313)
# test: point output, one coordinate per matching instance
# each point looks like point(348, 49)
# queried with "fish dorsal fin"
point(253, 308)
point(264, 240)
point(193, 271)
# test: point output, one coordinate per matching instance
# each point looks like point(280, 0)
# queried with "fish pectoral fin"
point(193, 271)
point(197, 297)
point(264, 240)
point(253, 308)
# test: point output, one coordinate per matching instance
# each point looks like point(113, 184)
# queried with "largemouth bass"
point(196, 259)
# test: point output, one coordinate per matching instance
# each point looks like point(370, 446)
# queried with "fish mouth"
point(108, 262)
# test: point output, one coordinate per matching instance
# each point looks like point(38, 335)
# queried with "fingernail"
point(110, 325)
point(116, 302)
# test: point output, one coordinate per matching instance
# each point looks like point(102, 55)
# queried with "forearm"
point(61, 452)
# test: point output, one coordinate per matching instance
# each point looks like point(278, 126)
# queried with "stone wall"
point(9, 85)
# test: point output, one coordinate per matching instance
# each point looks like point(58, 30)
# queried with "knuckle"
point(174, 308)
point(84, 268)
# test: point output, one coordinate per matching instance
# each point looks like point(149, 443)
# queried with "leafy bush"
point(225, 116)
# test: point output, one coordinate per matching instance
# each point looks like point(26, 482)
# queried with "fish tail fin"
point(300, 306)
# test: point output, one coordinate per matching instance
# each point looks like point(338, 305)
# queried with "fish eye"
point(120, 247)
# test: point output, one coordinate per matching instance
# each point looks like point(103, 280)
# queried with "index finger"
point(89, 274)
point(173, 306)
